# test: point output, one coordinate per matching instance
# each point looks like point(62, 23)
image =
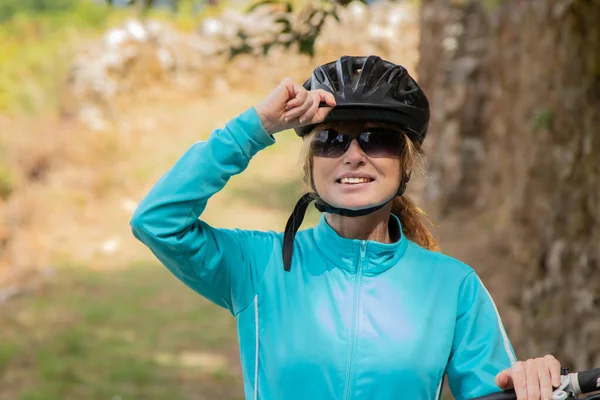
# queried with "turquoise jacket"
point(353, 319)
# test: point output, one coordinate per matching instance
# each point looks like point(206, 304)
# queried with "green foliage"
point(305, 39)
point(6, 354)
point(6, 188)
point(543, 119)
point(286, 5)
point(543, 310)
point(10, 8)
point(492, 4)
point(39, 38)
point(35, 49)
point(173, 5)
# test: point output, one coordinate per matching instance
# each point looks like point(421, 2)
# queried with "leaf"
point(288, 6)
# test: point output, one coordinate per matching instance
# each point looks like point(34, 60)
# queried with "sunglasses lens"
point(374, 142)
point(329, 143)
point(381, 143)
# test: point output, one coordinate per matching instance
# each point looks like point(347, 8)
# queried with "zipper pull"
point(363, 247)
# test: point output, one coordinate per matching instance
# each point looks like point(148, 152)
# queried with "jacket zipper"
point(363, 246)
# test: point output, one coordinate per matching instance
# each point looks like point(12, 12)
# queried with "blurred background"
point(99, 98)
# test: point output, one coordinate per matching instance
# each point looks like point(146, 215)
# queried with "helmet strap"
point(295, 220)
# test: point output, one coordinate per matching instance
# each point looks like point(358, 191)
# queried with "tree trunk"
point(515, 135)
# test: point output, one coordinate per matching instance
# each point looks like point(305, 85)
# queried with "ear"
point(309, 182)
point(305, 179)
point(403, 181)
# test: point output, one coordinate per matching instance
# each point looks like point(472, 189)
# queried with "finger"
point(554, 368)
point(298, 111)
point(301, 109)
point(288, 85)
point(322, 113)
point(503, 380)
point(544, 378)
point(310, 113)
point(533, 382)
point(326, 97)
point(295, 102)
point(297, 95)
point(323, 97)
point(519, 380)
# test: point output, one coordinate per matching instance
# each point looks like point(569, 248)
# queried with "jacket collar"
point(346, 253)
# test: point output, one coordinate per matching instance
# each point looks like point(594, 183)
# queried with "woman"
point(362, 306)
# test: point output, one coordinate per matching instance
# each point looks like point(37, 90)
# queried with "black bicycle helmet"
point(366, 89)
point(371, 89)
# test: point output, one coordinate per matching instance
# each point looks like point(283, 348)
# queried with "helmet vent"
point(335, 83)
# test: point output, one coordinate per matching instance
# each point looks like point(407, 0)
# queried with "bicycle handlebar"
point(589, 381)
point(505, 395)
point(575, 383)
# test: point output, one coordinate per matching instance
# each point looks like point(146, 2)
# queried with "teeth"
point(355, 180)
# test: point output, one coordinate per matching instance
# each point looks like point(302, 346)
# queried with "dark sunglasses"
point(375, 142)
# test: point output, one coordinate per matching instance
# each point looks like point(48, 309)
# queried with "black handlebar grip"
point(589, 381)
point(506, 395)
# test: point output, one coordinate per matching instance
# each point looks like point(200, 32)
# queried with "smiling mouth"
point(353, 181)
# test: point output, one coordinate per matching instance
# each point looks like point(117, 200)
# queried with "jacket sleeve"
point(223, 265)
point(480, 348)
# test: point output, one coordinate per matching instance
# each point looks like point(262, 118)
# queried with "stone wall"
point(251, 51)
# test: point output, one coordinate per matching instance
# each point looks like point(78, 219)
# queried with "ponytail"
point(413, 221)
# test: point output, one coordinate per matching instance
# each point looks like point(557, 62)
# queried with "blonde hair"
point(415, 222)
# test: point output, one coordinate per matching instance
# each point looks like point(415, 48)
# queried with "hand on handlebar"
point(532, 379)
point(573, 384)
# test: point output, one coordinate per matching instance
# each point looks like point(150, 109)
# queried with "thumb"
point(504, 380)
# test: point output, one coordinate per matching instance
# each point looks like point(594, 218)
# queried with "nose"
point(354, 155)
